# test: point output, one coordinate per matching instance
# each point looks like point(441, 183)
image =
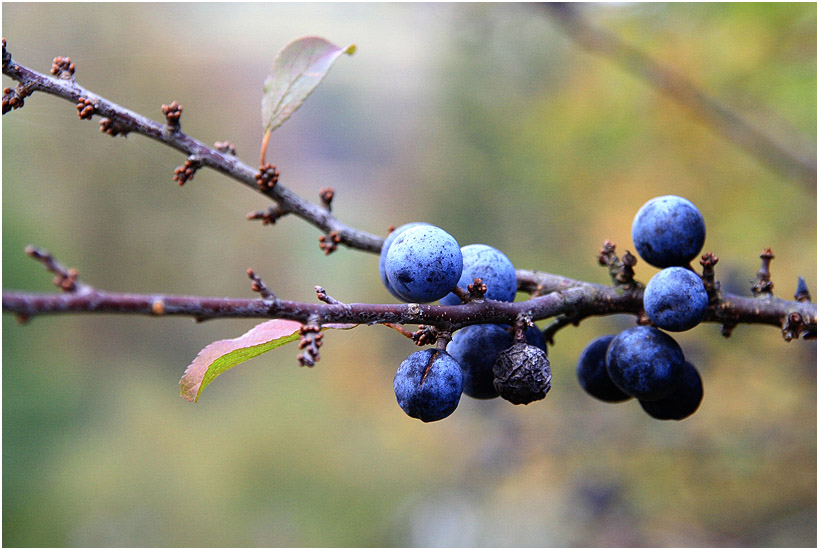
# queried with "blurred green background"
point(485, 119)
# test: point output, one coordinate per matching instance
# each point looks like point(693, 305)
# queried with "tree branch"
point(568, 300)
point(123, 121)
point(561, 296)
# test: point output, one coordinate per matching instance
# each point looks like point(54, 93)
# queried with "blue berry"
point(683, 401)
point(476, 349)
point(382, 259)
point(592, 373)
point(428, 385)
point(668, 231)
point(645, 363)
point(675, 299)
point(493, 267)
point(423, 263)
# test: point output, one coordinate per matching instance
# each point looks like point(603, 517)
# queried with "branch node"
point(113, 127)
point(183, 173)
point(310, 340)
point(158, 307)
point(322, 295)
point(63, 68)
point(267, 176)
point(326, 195)
point(708, 261)
point(15, 99)
point(172, 113)
point(522, 323)
point(476, 290)
point(329, 242)
point(426, 335)
point(86, 108)
point(763, 284)
point(258, 285)
point(67, 280)
point(620, 271)
point(793, 326)
point(225, 147)
point(268, 215)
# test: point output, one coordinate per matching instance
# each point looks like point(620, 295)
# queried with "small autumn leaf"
point(223, 355)
point(297, 69)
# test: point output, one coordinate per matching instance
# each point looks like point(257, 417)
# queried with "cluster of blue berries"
point(644, 362)
point(422, 263)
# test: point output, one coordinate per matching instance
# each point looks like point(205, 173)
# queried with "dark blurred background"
point(485, 119)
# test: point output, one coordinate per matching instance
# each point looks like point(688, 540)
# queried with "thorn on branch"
point(329, 242)
point(258, 286)
point(86, 108)
point(310, 340)
point(268, 215)
point(172, 113)
point(708, 261)
point(225, 147)
point(762, 284)
point(326, 194)
point(183, 173)
point(727, 329)
point(322, 295)
point(64, 279)
point(113, 127)
point(63, 68)
point(802, 292)
point(14, 99)
point(267, 176)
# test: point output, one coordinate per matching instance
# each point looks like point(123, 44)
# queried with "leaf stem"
point(263, 152)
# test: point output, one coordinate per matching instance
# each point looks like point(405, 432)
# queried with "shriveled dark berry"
point(522, 374)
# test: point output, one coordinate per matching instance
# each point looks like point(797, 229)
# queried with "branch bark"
point(561, 296)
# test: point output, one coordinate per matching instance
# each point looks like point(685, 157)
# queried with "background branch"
point(799, 165)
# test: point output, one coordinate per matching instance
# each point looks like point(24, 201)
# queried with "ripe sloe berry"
point(675, 299)
point(668, 231)
point(423, 263)
point(644, 362)
point(592, 373)
point(382, 259)
point(428, 385)
point(493, 267)
point(683, 401)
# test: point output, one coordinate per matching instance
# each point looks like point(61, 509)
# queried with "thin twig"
point(125, 121)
